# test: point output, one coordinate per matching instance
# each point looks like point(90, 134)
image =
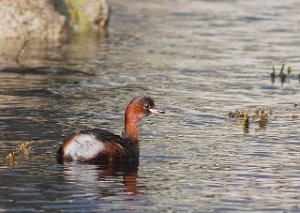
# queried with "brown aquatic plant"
point(11, 157)
point(246, 121)
point(260, 116)
point(22, 150)
point(282, 75)
point(241, 117)
point(237, 114)
point(289, 70)
point(273, 75)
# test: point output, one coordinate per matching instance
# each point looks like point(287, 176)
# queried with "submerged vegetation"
point(260, 117)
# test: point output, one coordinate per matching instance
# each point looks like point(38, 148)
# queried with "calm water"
point(198, 60)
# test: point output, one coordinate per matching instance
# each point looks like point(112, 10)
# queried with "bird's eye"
point(147, 106)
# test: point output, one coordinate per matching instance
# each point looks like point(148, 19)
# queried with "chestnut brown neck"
point(132, 118)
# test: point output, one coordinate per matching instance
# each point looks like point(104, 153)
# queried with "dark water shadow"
point(44, 71)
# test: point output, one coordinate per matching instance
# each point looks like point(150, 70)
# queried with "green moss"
point(77, 16)
point(84, 15)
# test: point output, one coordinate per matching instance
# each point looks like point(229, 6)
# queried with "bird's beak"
point(156, 110)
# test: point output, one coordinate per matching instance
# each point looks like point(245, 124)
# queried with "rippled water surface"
point(198, 60)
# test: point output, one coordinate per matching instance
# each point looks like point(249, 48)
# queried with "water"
point(198, 60)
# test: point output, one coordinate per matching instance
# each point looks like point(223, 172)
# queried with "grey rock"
point(47, 21)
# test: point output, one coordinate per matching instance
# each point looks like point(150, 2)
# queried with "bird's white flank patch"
point(83, 146)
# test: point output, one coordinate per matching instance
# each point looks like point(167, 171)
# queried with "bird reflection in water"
point(108, 177)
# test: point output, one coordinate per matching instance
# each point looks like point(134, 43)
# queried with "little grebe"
point(103, 147)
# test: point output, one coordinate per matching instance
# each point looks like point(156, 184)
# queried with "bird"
point(103, 147)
